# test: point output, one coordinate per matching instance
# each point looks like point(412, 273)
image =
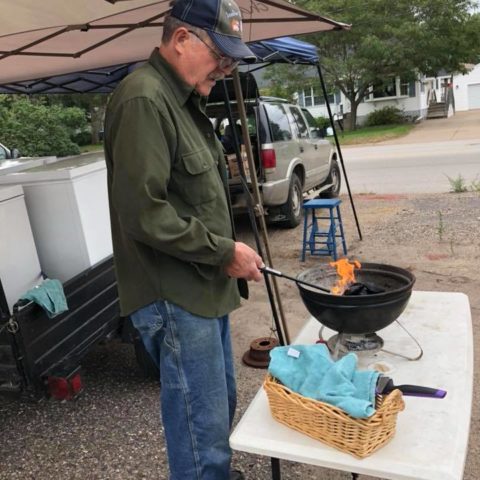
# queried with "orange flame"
point(345, 271)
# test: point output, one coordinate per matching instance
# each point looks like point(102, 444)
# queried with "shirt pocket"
point(200, 181)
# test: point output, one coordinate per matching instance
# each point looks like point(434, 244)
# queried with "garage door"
point(474, 96)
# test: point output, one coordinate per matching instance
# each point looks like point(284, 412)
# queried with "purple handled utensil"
point(385, 385)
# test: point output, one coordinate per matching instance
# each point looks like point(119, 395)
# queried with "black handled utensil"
point(276, 273)
point(385, 385)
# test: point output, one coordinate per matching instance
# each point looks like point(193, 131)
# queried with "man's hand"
point(245, 264)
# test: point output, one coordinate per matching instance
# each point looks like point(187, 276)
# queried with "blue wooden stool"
point(321, 239)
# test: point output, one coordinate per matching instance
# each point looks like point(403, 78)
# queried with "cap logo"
point(236, 25)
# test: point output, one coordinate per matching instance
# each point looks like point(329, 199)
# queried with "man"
point(176, 262)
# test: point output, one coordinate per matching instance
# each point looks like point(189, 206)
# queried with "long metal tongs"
point(276, 273)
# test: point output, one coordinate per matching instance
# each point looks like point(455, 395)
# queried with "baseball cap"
point(222, 21)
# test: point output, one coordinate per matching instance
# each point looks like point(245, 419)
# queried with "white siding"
point(474, 96)
point(461, 89)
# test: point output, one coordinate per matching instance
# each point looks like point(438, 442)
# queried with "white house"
point(417, 99)
point(466, 89)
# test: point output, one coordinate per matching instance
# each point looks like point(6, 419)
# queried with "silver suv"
point(291, 154)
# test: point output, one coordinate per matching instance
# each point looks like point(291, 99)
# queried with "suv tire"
point(292, 210)
point(334, 178)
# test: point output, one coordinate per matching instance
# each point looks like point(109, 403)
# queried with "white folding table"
point(431, 438)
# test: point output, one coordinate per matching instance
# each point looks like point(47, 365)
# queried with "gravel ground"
point(112, 431)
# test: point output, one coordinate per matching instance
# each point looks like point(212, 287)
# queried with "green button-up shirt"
point(171, 227)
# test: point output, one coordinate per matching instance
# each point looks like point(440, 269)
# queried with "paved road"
point(411, 168)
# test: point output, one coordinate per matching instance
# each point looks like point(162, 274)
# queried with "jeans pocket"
point(148, 320)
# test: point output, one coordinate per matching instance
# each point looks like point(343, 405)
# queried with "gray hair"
point(171, 24)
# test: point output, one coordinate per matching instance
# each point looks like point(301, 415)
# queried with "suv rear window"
point(279, 126)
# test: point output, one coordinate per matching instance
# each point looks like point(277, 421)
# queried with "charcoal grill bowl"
point(363, 313)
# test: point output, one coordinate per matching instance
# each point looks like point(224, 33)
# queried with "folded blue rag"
point(50, 296)
point(312, 373)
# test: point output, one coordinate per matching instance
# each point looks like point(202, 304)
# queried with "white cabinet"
point(19, 265)
point(67, 203)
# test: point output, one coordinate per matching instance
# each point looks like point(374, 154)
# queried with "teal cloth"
point(50, 296)
point(315, 375)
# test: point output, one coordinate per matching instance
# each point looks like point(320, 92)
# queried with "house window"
point(394, 87)
point(314, 96)
point(387, 89)
point(318, 96)
point(301, 98)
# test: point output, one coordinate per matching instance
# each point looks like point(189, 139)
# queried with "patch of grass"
point(475, 187)
point(373, 134)
point(91, 148)
point(457, 184)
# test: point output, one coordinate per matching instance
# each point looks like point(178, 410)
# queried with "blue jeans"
point(198, 396)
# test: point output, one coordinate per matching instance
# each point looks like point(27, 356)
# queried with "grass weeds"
point(373, 134)
point(457, 184)
point(91, 148)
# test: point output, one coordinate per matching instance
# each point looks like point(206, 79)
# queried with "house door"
point(474, 96)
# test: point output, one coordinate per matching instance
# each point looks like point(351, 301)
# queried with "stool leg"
point(313, 232)
point(333, 235)
point(305, 227)
point(340, 223)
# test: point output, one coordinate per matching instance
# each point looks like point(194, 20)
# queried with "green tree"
point(285, 80)
point(388, 39)
point(38, 129)
point(94, 105)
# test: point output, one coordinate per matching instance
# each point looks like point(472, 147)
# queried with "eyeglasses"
point(222, 61)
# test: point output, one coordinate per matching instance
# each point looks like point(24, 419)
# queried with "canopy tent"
point(104, 80)
point(46, 39)
point(53, 37)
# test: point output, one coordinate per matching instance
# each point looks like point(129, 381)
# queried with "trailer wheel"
point(144, 360)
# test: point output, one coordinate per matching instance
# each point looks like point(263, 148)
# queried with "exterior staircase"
point(437, 110)
point(444, 108)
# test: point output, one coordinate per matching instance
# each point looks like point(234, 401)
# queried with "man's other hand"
point(245, 264)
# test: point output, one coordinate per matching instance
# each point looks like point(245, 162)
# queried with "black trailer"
point(41, 356)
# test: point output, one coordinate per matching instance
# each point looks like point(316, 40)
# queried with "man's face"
point(205, 64)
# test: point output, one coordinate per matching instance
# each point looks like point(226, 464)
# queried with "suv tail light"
point(269, 159)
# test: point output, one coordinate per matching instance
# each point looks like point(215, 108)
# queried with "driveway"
point(461, 126)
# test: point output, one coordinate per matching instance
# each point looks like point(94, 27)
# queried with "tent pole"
point(251, 214)
point(337, 144)
point(257, 210)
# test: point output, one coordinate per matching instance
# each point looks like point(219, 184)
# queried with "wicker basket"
point(330, 425)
